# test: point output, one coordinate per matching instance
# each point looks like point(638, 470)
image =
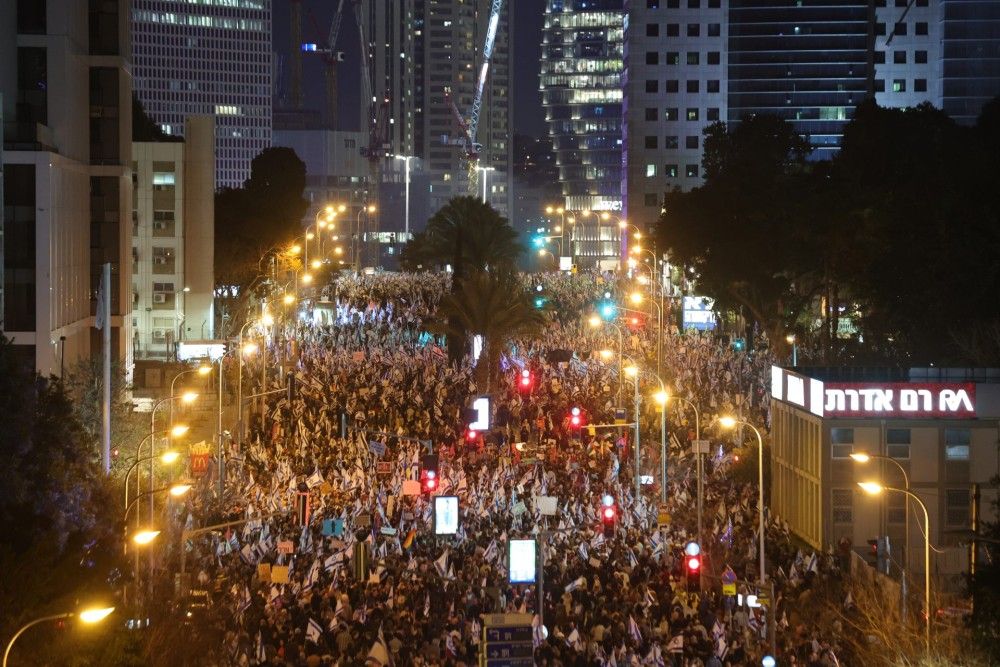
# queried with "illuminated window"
point(650, 170)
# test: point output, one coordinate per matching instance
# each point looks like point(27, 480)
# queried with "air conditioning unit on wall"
point(159, 297)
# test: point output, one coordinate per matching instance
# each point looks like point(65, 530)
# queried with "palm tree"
point(496, 306)
point(467, 234)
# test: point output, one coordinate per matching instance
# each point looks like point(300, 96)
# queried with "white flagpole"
point(105, 306)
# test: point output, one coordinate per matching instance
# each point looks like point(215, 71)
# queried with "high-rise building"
point(970, 56)
point(208, 57)
point(581, 82)
point(173, 240)
point(674, 86)
point(691, 63)
point(452, 36)
point(66, 104)
point(807, 63)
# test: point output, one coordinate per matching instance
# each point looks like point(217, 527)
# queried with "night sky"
point(527, 17)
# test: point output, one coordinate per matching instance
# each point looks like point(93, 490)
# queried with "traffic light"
point(607, 310)
point(539, 302)
point(692, 566)
point(609, 516)
point(576, 418)
point(525, 381)
point(739, 345)
point(635, 322)
point(872, 558)
point(471, 435)
point(429, 473)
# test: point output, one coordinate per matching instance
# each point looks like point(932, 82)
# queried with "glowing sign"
point(906, 400)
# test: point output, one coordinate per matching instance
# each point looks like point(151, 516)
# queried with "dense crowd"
point(373, 387)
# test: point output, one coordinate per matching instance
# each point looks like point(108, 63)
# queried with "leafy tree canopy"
point(265, 212)
point(901, 228)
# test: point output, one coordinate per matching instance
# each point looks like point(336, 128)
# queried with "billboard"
point(522, 563)
point(445, 515)
point(698, 313)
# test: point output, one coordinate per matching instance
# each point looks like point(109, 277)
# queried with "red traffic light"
point(694, 563)
point(471, 434)
point(576, 418)
point(525, 378)
point(430, 484)
point(608, 513)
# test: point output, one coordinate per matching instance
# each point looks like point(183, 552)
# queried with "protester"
point(373, 386)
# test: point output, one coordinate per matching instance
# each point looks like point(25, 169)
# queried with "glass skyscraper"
point(807, 63)
point(581, 82)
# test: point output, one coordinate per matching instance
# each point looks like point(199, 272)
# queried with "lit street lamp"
point(89, 616)
point(874, 488)
point(731, 422)
point(863, 458)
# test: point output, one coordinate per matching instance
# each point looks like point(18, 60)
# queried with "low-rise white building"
point(173, 240)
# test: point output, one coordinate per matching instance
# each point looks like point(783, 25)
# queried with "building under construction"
point(420, 64)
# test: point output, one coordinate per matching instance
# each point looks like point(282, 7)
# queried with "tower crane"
point(470, 126)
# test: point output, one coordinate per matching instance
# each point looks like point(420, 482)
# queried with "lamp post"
point(874, 488)
point(370, 208)
point(187, 397)
point(202, 370)
point(864, 457)
point(660, 397)
point(89, 616)
point(730, 422)
point(595, 321)
point(791, 340)
point(406, 196)
point(633, 372)
point(700, 469)
point(167, 458)
point(485, 171)
point(637, 298)
point(239, 380)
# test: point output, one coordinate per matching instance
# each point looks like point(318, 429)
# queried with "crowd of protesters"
point(372, 387)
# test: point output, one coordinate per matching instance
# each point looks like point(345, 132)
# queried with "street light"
point(406, 196)
point(790, 339)
point(144, 537)
point(89, 616)
point(485, 171)
point(596, 322)
point(731, 422)
point(700, 468)
point(865, 457)
point(874, 488)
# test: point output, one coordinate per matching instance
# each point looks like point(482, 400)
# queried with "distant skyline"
point(527, 17)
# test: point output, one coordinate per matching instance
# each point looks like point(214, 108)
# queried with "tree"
point(83, 384)
point(744, 231)
point(56, 510)
point(496, 306)
point(922, 189)
point(467, 234)
point(985, 587)
point(264, 213)
point(470, 236)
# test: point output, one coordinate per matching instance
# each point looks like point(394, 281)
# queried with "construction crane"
point(376, 111)
point(470, 127)
point(331, 56)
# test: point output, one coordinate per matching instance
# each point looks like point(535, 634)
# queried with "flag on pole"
point(633, 630)
point(379, 653)
point(313, 631)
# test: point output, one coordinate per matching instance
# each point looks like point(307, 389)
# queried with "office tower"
point(581, 73)
point(581, 83)
point(907, 55)
point(807, 64)
point(209, 57)
point(970, 56)
point(66, 108)
point(173, 239)
point(452, 35)
point(675, 86)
